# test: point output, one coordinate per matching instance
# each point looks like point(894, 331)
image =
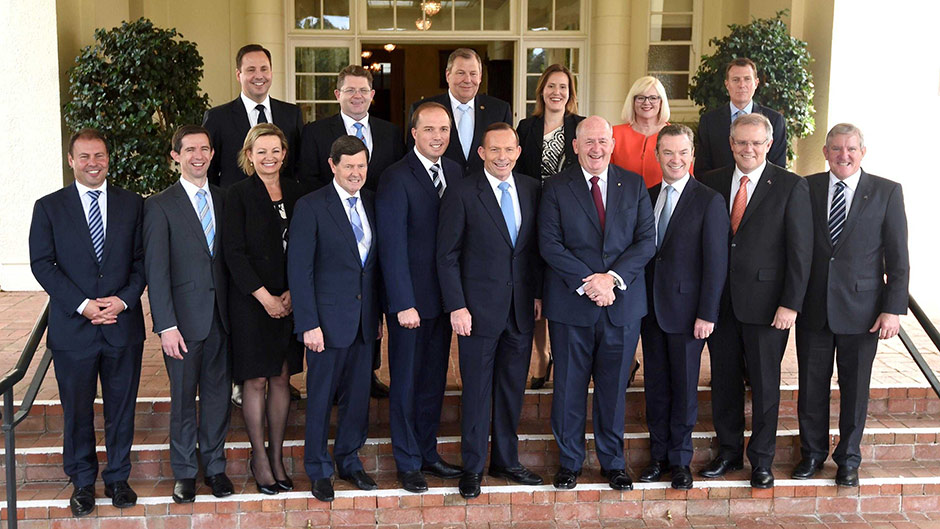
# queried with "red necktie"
point(598, 200)
point(740, 202)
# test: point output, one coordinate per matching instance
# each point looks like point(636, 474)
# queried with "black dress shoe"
point(654, 471)
point(413, 481)
point(807, 468)
point(323, 489)
point(443, 469)
point(618, 479)
point(82, 501)
point(632, 379)
point(378, 390)
point(184, 490)
point(681, 477)
point(295, 393)
point(566, 478)
point(285, 484)
point(220, 484)
point(517, 474)
point(762, 478)
point(539, 382)
point(470, 484)
point(121, 494)
point(847, 476)
point(237, 395)
point(720, 466)
point(360, 479)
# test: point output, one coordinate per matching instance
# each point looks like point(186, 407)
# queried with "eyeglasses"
point(353, 91)
point(752, 144)
point(644, 99)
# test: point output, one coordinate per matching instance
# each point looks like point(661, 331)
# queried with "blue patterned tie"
point(359, 134)
point(509, 214)
point(96, 224)
point(737, 114)
point(356, 222)
point(205, 219)
point(465, 129)
point(664, 217)
point(837, 212)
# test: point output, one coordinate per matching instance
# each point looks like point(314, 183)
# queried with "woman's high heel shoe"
point(539, 382)
point(271, 489)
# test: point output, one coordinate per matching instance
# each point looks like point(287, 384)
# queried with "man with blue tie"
point(684, 281)
point(487, 223)
point(406, 211)
point(333, 276)
point(596, 234)
point(188, 286)
point(86, 251)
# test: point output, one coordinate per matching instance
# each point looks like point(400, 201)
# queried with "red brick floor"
point(19, 310)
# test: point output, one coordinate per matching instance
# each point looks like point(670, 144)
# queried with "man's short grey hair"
point(577, 130)
point(754, 118)
point(846, 128)
point(675, 129)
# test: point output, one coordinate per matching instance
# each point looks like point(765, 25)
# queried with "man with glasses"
point(741, 82)
point(770, 252)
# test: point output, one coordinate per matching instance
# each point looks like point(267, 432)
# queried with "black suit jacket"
point(714, 129)
point(63, 260)
point(847, 287)
point(478, 266)
point(313, 169)
point(487, 110)
point(685, 278)
point(228, 125)
point(531, 132)
point(770, 254)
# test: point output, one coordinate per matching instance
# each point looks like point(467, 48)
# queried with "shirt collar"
point(851, 182)
point(679, 185)
point(192, 188)
point(454, 103)
point(82, 189)
point(343, 194)
point(747, 109)
point(348, 121)
point(753, 176)
point(427, 163)
point(251, 105)
point(602, 177)
point(494, 182)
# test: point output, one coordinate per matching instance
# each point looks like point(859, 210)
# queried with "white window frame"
point(686, 105)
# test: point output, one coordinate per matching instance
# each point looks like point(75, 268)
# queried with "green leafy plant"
point(786, 85)
point(137, 83)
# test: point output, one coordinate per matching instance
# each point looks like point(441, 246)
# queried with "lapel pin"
point(482, 107)
point(618, 184)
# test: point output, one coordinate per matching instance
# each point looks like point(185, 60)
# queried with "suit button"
point(508, 283)
point(358, 296)
point(659, 259)
point(733, 245)
point(832, 258)
point(100, 276)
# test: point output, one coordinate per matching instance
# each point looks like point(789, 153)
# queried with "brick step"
point(887, 438)
point(887, 492)
point(153, 413)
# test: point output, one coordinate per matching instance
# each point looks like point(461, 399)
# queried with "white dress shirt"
point(458, 115)
point(513, 193)
point(86, 207)
point(851, 184)
point(427, 167)
point(366, 243)
point(679, 186)
point(752, 179)
point(747, 109)
point(252, 108)
point(349, 123)
point(602, 185)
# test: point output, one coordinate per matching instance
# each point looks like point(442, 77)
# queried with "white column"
point(265, 26)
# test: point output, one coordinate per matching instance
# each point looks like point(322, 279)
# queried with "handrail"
point(11, 419)
point(934, 336)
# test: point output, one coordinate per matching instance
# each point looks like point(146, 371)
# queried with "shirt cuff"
point(618, 281)
point(173, 328)
point(580, 290)
point(125, 304)
point(81, 308)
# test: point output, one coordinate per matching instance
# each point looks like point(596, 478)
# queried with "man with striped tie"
point(188, 284)
point(86, 251)
point(857, 288)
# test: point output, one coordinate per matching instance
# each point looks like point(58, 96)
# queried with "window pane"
point(670, 27)
point(468, 15)
point(331, 60)
point(671, 5)
point(540, 15)
point(440, 21)
point(408, 12)
point(535, 60)
point(496, 15)
point(335, 14)
point(531, 83)
point(669, 58)
point(676, 85)
point(307, 14)
point(529, 109)
point(379, 14)
point(304, 87)
point(303, 60)
point(567, 15)
point(324, 87)
point(325, 110)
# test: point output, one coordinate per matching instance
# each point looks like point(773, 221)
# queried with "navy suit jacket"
point(406, 211)
point(574, 247)
point(487, 110)
point(847, 287)
point(479, 267)
point(330, 286)
point(313, 169)
point(63, 260)
point(686, 276)
point(714, 129)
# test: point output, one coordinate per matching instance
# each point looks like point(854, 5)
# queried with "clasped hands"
point(103, 311)
point(599, 288)
point(276, 306)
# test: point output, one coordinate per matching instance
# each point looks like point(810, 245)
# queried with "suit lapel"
point(114, 210)
point(338, 211)
point(859, 201)
point(582, 195)
point(240, 118)
point(681, 208)
point(478, 123)
point(488, 198)
point(73, 204)
point(819, 196)
point(527, 209)
point(337, 127)
point(423, 176)
point(763, 188)
point(614, 195)
point(186, 212)
point(369, 206)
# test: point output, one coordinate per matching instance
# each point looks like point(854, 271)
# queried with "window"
point(537, 59)
point(321, 14)
point(315, 71)
point(672, 55)
point(554, 15)
point(438, 15)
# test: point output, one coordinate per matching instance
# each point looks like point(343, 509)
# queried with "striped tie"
point(359, 133)
point(437, 180)
point(96, 224)
point(205, 218)
point(837, 212)
point(356, 222)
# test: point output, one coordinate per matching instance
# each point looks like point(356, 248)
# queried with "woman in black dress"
point(265, 351)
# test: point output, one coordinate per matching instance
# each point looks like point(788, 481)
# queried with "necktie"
point(509, 213)
point(465, 130)
point(664, 217)
point(96, 224)
point(837, 212)
point(437, 180)
point(205, 219)
point(359, 134)
point(598, 201)
point(356, 222)
point(261, 117)
point(740, 202)
point(737, 114)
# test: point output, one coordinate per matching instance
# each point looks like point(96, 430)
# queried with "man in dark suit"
point(860, 238)
point(383, 140)
point(741, 82)
point(770, 252)
point(333, 274)
point(86, 251)
point(596, 234)
point(684, 281)
point(228, 124)
point(406, 212)
point(487, 222)
point(469, 111)
point(188, 301)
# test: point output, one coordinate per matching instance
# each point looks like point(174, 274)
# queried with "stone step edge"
point(450, 439)
point(488, 489)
